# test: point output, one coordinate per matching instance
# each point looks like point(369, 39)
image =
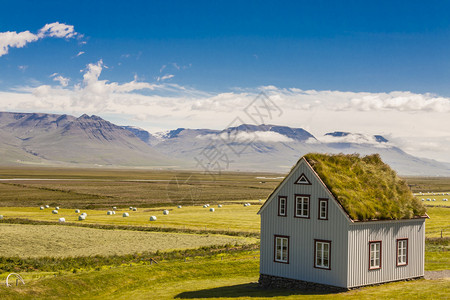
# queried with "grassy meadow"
point(80, 262)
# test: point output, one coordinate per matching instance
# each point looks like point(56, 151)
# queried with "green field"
point(63, 241)
point(114, 263)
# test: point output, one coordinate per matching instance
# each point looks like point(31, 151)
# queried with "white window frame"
point(302, 204)
point(323, 209)
point(374, 255)
point(322, 254)
point(281, 247)
point(282, 206)
point(402, 252)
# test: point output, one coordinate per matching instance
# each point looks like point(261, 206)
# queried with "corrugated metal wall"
point(388, 232)
point(302, 233)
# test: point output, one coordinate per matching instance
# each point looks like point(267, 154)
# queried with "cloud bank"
point(12, 39)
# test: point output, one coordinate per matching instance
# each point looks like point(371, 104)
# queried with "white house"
point(341, 221)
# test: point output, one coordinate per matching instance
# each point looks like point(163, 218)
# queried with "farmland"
point(111, 259)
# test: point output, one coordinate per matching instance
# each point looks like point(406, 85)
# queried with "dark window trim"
point(303, 175)
point(285, 206)
point(396, 252)
point(275, 249)
point(329, 254)
point(326, 212)
point(381, 256)
point(295, 206)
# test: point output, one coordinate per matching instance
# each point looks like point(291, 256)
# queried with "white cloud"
point(22, 68)
point(12, 39)
point(62, 80)
point(80, 53)
point(58, 30)
point(245, 137)
point(165, 77)
point(354, 138)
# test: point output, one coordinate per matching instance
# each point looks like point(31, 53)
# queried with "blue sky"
point(168, 64)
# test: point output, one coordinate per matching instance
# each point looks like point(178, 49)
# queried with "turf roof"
point(366, 187)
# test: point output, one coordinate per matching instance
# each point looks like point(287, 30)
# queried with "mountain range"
point(64, 140)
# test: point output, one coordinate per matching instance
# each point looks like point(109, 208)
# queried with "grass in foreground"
point(234, 277)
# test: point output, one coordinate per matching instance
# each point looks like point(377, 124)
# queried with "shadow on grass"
point(245, 290)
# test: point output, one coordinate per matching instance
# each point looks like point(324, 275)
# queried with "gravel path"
point(437, 274)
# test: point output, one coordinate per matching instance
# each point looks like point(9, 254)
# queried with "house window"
point(302, 206)
point(302, 180)
point(323, 209)
point(322, 250)
point(282, 202)
point(281, 249)
point(375, 255)
point(402, 252)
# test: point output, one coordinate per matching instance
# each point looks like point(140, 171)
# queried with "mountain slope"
point(65, 139)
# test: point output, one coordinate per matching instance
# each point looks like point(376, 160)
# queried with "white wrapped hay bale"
point(125, 215)
point(57, 208)
point(166, 212)
point(153, 218)
point(219, 206)
point(47, 206)
point(77, 211)
point(84, 214)
point(113, 212)
point(131, 207)
point(1, 217)
point(81, 217)
point(54, 212)
point(134, 209)
point(41, 208)
point(179, 206)
point(114, 208)
point(62, 220)
point(205, 206)
point(211, 209)
point(109, 213)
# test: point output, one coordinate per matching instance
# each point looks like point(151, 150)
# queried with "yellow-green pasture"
point(231, 217)
point(439, 221)
point(62, 241)
point(434, 199)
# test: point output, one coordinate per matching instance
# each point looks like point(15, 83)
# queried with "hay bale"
point(219, 206)
point(57, 208)
point(81, 217)
point(54, 212)
point(260, 200)
point(62, 220)
point(1, 217)
point(125, 215)
point(77, 211)
point(179, 206)
point(114, 208)
point(41, 208)
point(153, 218)
point(134, 209)
point(211, 209)
point(131, 207)
point(109, 213)
point(205, 206)
point(113, 212)
point(166, 212)
point(84, 214)
point(47, 206)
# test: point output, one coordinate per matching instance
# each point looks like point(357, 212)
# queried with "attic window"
point(282, 201)
point(302, 179)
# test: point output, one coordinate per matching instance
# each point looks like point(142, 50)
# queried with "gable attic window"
point(323, 209)
point(302, 180)
point(322, 250)
point(281, 253)
point(374, 255)
point(282, 203)
point(302, 206)
point(402, 252)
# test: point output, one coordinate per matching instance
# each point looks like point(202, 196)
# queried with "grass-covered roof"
point(366, 187)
